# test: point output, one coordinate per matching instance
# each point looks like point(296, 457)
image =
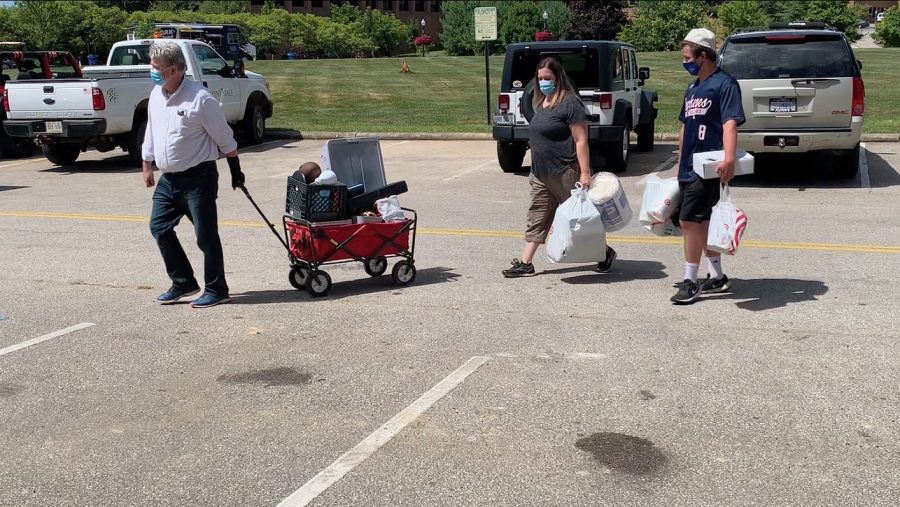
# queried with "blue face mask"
point(156, 77)
point(693, 68)
point(547, 86)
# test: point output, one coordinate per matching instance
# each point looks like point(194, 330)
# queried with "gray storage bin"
point(355, 161)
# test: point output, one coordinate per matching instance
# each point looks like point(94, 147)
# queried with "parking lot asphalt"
point(464, 388)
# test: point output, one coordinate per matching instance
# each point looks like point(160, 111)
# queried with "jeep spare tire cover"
point(526, 105)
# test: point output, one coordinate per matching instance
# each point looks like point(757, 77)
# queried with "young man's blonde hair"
point(563, 85)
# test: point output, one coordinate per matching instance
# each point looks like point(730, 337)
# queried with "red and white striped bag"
point(726, 226)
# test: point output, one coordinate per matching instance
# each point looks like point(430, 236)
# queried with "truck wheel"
point(645, 133)
point(618, 153)
point(510, 156)
point(254, 124)
point(61, 154)
point(846, 165)
point(137, 140)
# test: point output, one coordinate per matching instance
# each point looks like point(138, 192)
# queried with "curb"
point(474, 136)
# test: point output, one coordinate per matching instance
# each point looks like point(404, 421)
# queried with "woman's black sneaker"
point(713, 285)
point(519, 269)
point(688, 293)
point(606, 264)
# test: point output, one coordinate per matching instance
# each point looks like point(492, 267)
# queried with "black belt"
point(202, 166)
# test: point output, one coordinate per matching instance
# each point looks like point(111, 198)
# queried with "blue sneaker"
point(208, 299)
point(172, 295)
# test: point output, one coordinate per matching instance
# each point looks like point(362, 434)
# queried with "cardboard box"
point(367, 220)
point(705, 163)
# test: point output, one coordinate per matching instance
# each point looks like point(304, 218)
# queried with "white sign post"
point(486, 30)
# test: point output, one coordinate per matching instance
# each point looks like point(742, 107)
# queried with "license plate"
point(53, 127)
point(782, 105)
point(504, 119)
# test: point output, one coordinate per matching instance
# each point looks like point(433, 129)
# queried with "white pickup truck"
point(108, 107)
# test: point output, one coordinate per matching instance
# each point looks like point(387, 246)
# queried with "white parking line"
point(396, 144)
point(39, 339)
point(4, 166)
point(326, 478)
point(468, 171)
point(864, 167)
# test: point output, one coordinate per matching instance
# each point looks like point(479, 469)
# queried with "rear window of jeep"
point(777, 56)
point(583, 68)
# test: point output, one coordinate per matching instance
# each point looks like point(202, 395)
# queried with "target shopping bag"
point(726, 226)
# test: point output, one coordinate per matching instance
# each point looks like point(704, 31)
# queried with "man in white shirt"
point(186, 131)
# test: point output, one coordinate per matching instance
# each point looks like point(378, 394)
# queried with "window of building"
point(420, 5)
point(404, 5)
point(436, 6)
point(317, 4)
point(388, 5)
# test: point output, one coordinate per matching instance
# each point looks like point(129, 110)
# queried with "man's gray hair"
point(168, 53)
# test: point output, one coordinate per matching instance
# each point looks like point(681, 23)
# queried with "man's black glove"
point(237, 177)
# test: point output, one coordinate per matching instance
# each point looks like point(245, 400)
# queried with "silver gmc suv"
point(802, 91)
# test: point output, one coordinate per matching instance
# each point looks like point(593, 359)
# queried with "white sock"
point(715, 266)
point(690, 271)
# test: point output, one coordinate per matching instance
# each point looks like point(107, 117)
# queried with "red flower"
point(423, 40)
point(543, 36)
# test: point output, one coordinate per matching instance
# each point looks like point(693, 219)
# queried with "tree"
point(40, 23)
point(96, 29)
point(742, 14)
point(594, 20)
point(783, 12)
point(174, 5)
point(838, 14)
point(128, 6)
point(385, 31)
point(661, 25)
point(458, 27)
point(888, 31)
point(344, 14)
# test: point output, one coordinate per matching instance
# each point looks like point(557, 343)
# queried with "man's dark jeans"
point(191, 193)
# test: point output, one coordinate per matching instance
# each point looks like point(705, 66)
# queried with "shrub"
point(596, 20)
point(742, 14)
point(661, 25)
point(888, 31)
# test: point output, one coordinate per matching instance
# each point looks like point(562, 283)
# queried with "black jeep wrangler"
point(609, 81)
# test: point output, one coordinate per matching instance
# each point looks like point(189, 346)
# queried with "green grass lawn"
point(446, 93)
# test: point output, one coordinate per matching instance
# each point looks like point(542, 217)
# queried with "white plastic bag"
point(661, 199)
point(667, 228)
point(607, 194)
point(726, 226)
point(389, 208)
point(577, 234)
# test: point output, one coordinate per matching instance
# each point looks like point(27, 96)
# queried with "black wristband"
point(234, 163)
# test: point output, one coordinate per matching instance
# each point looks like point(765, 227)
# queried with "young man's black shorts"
point(697, 199)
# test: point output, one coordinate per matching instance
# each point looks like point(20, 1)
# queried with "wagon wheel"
point(375, 267)
point(404, 273)
point(298, 277)
point(318, 284)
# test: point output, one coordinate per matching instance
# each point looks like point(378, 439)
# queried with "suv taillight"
point(503, 103)
point(859, 96)
point(99, 101)
point(5, 100)
point(606, 101)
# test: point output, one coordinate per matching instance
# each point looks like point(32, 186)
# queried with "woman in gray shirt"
point(557, 135)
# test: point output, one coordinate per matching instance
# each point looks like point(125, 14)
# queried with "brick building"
point(874, 7)
point(405, 10)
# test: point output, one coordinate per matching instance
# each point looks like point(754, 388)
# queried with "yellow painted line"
point(479, 233)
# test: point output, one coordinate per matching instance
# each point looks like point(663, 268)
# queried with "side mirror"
point(226, 71)
point(643, 75)
point(239, 68)
point(859, 64)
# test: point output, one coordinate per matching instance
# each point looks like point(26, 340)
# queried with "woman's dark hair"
point(563, 85)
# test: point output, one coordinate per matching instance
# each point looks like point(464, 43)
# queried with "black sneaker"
point(606, 265)
point(688, 293)
point(713, 285)
point(519, 269)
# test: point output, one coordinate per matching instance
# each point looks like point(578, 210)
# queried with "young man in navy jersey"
point(710, 116)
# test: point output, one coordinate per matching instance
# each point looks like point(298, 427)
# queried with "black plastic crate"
point(315, 203)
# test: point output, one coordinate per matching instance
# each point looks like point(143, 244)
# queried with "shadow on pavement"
point(345, 289)
point(769, 293)
point(813, 170)
point(10, 187)
point(622, 271)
